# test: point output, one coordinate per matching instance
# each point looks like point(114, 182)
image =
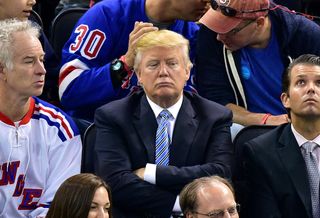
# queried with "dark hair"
point(305, 59)
point(74, 197)
point(188, 195)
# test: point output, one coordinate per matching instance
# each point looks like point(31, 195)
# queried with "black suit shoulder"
point(269, 140)
point(207, 108)
point(122, 108)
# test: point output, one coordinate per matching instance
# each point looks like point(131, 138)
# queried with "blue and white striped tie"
point(162, 139)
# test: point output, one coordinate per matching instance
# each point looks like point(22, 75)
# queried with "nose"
point(40, 69)
point(102, 213)
point(163, 70)
point(311, 86)
point(31, 2)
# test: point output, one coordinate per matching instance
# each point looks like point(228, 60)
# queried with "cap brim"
point(219, 23)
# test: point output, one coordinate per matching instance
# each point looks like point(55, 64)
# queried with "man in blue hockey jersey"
point(98, 58)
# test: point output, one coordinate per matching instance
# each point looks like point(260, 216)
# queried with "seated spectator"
point(243, 48)
point(21, 9)
point(81, 196)
point(152, 143)
point(98, 58)
point(40, 145)
point(209, 197)
point(283, 165)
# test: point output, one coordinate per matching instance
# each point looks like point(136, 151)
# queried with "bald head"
point(206, 195)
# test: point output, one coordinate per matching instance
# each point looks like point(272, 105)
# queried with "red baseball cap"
point(246, 9)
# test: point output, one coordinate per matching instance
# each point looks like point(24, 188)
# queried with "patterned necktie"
point(162, 139)
point(313, 175)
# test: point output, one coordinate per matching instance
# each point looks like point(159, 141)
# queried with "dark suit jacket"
point(126, 129)
point(278, 182)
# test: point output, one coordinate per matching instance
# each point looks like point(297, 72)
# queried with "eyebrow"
point(33, 56)
point(95, 203)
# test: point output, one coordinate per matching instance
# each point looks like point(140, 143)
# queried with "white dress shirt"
point(150, 170)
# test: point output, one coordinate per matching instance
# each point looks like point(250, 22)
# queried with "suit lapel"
point(146, 125)
point(293, 161)
point(183, 134)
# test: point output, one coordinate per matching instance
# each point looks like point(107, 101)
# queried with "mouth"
point(27, 12)
point(164, 84)
point(310, 100)
point(40, 82)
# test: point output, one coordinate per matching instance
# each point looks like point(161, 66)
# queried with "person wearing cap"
point(243, 48)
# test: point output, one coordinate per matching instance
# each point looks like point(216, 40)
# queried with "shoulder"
point(289, 21)
point(205, 106)
point(54, 117)
point(122, 106)
point(270, 140)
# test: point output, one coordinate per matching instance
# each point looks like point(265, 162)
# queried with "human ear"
point(285, 99)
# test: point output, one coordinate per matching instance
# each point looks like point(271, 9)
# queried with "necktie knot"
point(309, 146)
point(165, 114)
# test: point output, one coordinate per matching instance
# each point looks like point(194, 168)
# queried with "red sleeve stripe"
point(55, 116)
point(65, 73)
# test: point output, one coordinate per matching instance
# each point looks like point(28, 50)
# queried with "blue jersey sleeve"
point(84, 79)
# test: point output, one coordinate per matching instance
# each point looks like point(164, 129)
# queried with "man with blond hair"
point(152, 143)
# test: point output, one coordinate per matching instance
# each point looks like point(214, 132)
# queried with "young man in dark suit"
point(283, 174)
point(148, 163)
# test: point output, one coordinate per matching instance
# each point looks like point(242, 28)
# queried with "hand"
point(277, 120)
point(140, 173)
point(140, 28)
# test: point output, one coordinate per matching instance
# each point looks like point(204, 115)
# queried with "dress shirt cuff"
point(150, 173)
point(176, 207)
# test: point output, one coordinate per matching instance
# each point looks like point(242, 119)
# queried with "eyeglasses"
point(234, 31)
point(220, 213)
point(231, 12)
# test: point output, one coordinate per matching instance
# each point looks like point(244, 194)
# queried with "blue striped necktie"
point(162, 139)
point(313, 175)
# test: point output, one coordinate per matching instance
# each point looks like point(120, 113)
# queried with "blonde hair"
point(162, 38)
point(7, 28)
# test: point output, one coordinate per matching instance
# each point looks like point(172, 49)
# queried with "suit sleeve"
point(116, 168)
point(214, 148)
point(261, 200)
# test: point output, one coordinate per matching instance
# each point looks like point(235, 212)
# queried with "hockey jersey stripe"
point(69, 72)
point(47, 113)
point(65, 73)
point(67, 80)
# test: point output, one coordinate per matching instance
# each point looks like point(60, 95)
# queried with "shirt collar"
point(174, 109)
point(301, 140)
